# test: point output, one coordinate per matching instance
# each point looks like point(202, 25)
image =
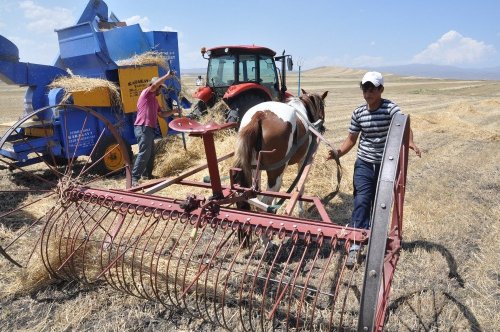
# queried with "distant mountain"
point(437, 71)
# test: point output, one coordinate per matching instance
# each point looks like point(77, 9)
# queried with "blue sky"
point(317, 33)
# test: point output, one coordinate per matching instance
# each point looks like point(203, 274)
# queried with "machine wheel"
point(35, 182)
point(108, 157)
point(243, 103)
point(385, 236)
point(430, 310)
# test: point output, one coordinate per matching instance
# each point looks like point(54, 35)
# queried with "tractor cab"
point(241, 76)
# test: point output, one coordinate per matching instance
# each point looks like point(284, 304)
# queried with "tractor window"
point(268, 77)
point(221, 71)
point(247, 69)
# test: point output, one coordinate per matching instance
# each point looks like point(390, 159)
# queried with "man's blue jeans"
point(143, 164)
point(365, 186)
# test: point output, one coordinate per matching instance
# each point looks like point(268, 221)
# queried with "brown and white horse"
point(282, 127)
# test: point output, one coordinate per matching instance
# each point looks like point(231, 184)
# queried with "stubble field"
point(450, 257)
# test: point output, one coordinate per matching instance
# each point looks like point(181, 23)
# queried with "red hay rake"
point(188, 252)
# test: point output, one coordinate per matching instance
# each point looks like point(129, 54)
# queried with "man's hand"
point(175, 112)
point(333, 154)
point(415, 148)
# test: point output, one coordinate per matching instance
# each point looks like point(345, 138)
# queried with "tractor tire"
point(108, 157)
point(199, 110)
point(241, 104)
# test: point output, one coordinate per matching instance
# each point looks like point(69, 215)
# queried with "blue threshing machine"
point(88, 123)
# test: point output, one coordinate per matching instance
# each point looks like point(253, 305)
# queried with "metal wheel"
point(45, 154)
point(430, 310)
point(386, 230)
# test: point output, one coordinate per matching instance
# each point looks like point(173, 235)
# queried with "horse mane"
point(315, 106)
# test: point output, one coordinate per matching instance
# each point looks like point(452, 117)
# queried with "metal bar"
point(227, 215)
point(373, 299)
point(163, 184)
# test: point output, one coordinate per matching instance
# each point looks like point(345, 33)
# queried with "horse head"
point(315, 106)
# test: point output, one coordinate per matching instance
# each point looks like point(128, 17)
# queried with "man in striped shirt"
point(372, 121)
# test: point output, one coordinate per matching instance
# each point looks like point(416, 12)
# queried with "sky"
point(316, 32)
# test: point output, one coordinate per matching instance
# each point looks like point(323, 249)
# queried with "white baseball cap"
point(374, 77)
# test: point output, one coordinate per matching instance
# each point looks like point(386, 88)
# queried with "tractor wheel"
point(242, 103)
point(108, 157)
point(199, 110)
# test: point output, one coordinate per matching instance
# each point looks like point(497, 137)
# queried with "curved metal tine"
point(280, 294)
point(162, 251)
point(151, 253)
point(113, 276)
point(172, 293)
point(203, 261)
point(59, 231)
point(267, 282)
point(133, 250)
point(127, 247)
point(344, 301)
point(224, 272)
point(46, 237)
point(256, 277)
point(52, 212)
point(242, 245)
point(325, 269)
point(291, 284)
point(337, 290)
point(87, 238)
point(306, 282)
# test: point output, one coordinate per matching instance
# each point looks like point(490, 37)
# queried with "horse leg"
point(274, 182)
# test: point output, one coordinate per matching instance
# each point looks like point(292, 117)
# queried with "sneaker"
point(135, 183)
point(352, 258)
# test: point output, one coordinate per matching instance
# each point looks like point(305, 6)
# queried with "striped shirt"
point(373, 126)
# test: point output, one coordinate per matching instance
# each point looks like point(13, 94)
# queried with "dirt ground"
point(449, 262)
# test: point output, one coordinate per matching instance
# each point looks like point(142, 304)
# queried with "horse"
point(282, 127)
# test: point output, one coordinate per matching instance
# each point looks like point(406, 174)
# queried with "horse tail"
point(249, 139)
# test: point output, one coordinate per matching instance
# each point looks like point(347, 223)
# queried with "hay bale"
point(74, 83)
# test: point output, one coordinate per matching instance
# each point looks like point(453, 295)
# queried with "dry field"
point(449, 270)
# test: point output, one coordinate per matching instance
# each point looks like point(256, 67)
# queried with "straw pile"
point(147, 58)
point(74, 83)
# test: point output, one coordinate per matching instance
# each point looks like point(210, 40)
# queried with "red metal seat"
point(186, 125)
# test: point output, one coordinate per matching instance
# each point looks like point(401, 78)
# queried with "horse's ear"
point(324, 95)
point(303, 91)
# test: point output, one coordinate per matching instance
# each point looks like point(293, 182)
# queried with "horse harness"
point(296, 143)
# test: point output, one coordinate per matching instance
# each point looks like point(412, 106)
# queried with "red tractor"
point(241, 76)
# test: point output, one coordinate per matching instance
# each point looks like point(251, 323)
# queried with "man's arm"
point(346, 146)
point(156, 84)
point(170, 112)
